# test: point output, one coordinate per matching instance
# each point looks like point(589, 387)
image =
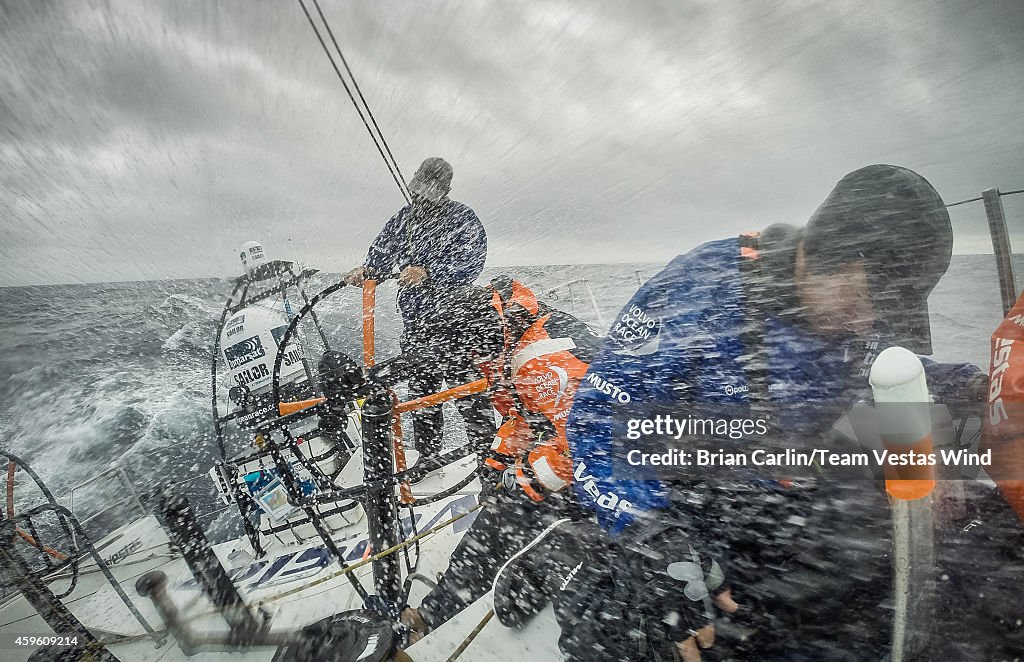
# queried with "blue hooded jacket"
point(450, 244)
point(678, 340)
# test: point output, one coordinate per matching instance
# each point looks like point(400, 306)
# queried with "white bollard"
point(905, 426)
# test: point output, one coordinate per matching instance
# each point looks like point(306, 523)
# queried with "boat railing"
point(30, 568)
point(123, 509)
point(112, 481)
point(553, 295)
point(997, 229)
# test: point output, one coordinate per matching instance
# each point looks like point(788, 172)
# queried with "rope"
point(447, 492)
point(962, 202)
point(1001, 194)
point(346, 570)
point(60, 556)
point(392, 169)
point(370, 559)
point(355, 84)
point(472, 635)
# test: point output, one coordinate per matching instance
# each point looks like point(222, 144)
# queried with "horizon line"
point(497, 266)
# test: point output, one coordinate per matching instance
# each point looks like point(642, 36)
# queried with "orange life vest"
point(540, 374)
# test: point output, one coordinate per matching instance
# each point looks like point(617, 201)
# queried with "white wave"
point(194, 335)
point(187, 306)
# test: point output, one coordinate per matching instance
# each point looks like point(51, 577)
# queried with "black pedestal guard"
point(381, 511)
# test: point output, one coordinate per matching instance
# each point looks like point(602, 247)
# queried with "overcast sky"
point(144, 139)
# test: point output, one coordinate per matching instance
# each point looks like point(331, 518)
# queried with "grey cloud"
point(157, 136)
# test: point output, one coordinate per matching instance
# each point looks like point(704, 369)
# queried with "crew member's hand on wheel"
point(412, 276)
point(354, 276)
point(412, 619)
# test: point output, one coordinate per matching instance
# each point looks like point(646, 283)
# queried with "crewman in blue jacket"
point(433, 245)
point(781, 324)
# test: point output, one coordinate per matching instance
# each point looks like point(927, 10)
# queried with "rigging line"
point(1001, 194)
point(391, 169)
point(472, 635)
point(962, 202)
point(352, 98)
point(359, 91)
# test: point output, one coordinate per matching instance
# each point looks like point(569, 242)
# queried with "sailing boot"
point(361, 634)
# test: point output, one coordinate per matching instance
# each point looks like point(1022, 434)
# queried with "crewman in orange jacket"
point(534, 357)
point(539, 371)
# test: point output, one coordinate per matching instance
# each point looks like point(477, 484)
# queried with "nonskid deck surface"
point(537, 641)
point(295, 584)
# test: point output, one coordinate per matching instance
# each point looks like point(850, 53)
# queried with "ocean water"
point(119, 374)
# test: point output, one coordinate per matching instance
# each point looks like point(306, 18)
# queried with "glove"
point(390, 612)
point(354, 276)
point(660, 585)
point(551, 468)
point(586, 602)
point(517, 484)
point(509, 441)
point(543, 471)
point(676, 582)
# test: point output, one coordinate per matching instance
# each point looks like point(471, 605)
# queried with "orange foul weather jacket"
point(534, 385)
